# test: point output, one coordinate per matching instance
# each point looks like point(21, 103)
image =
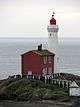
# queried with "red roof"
point(52, 21)
point(41, 53)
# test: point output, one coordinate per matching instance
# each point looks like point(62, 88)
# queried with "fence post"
point(45, 79)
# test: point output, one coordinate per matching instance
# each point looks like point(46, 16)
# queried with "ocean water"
point(12, 48)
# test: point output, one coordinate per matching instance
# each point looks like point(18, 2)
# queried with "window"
point(45, 59)
point(50, 70)
point(44, 71)
point(29, 72)
point(49, 59)
point(50, 34)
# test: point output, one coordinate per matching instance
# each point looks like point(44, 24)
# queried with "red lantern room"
point(53, 21)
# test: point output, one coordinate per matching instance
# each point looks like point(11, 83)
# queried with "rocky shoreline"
point(43, 103)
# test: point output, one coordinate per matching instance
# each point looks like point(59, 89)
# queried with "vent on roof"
point(40, 47)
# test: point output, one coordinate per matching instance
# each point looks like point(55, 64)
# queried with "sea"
point(11, 50)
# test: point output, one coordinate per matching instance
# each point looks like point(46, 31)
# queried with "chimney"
point(40, 47)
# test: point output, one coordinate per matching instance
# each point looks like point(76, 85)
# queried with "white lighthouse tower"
point(52, 29)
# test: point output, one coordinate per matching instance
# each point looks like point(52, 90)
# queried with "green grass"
point(24, 89)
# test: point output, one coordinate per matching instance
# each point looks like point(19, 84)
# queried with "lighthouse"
point(52, 29)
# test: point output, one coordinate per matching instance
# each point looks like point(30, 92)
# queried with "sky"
point(29, 18)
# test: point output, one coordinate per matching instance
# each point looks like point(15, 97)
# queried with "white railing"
point(52, 28)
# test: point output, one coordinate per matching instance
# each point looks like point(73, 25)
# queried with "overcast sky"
point(29, 18)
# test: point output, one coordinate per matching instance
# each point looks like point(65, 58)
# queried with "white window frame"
point(49, 59)
point(45, 59)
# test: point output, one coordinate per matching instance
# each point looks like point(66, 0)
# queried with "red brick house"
point(37, 62)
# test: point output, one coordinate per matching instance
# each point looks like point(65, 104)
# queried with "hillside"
point(23, 89)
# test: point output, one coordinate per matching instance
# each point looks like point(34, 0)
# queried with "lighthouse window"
point(45, 59)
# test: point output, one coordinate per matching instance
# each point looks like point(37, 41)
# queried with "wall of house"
point(74, 91)
point(31, 62)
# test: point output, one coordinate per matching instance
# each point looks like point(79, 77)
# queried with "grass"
point(25, 89)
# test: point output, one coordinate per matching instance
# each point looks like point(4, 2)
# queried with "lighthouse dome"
point(53, 20)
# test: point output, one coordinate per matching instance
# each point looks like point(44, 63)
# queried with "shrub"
point(40, 92)
point(24, 93)
point(27, 89)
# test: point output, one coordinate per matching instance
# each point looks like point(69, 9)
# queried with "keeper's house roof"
point(41, 52)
